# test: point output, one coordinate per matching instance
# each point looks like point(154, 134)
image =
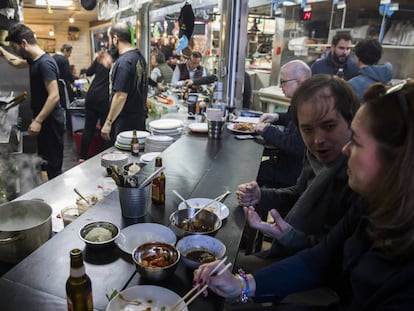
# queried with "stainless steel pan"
point(24, 226)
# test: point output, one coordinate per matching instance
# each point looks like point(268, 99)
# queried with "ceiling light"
point(54, 2)
point(51, 33)
point(71, 19)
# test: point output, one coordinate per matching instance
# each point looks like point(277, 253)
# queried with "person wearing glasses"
point(367, 53)
point(284, 171)
point(338, 61)
point(189, 70)
point(369, 254)
point(322, 108)
point(48, 117)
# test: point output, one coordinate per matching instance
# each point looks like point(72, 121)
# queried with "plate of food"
point(218, 208)
point(242, 127)
point(145, 297)
point(134, 235)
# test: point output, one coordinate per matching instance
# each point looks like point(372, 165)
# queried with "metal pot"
point(24, 226)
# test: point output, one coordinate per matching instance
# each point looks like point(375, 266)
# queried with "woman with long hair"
point(368, 257)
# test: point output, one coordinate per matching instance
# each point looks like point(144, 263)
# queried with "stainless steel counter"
point(195, 166)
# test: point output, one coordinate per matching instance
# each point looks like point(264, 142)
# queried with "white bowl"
point(199, 243)
point(116, 158)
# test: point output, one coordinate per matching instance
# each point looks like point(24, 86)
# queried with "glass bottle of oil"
point(158, 185)
point(78, 285)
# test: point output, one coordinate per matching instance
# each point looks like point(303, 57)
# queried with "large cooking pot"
point(24, 226)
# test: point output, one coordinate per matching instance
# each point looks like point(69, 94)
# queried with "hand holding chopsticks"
point(178, 305)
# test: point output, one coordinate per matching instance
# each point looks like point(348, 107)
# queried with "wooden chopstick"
point(197, 286)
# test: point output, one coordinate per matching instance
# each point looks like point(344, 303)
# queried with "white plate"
point(231, 127)
point(220, 209)
point(122, 147)
point(198, 127)
point(153, 298)
point(165, 124)
point(148, 157)
point(138, 234)
point(128, 134)
point(114, 156)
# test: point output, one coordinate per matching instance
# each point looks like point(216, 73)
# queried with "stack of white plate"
point(116, 158)
point(167, 127)
point(123, 140)
point(157, 143)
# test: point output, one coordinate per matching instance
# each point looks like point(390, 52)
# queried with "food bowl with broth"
point(197, 249)
point(205, 222)
point(155, 261)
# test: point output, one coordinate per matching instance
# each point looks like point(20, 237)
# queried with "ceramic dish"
point(165, 124)
point(152, 297)
point(148, 157)
point(219, 209)
point(197, 249)
point(234, 128)
point(127, 135)
point(132, 236)
point(117, 158)
point(198, 127)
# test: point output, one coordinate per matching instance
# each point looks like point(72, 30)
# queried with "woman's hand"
point(277, 229)
point(248, 194)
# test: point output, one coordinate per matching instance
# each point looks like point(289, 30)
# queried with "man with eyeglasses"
point(283, 171)
point(338, 61)
point(190, 70)
point(48, 118)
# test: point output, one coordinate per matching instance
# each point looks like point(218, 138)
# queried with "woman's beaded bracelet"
point(244, 282)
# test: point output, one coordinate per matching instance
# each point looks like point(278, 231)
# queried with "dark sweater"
point(374, 281)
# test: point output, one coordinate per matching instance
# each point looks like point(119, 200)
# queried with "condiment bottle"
point(158, 185)
point(134, 144)
point(78, 285)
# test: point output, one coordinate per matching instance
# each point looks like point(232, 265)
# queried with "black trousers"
point(128, 122)
point(91, 119)
point(50, 145)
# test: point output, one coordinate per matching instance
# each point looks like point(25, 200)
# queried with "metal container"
point(162, 252)
point(134, 201)
point(207, 222)
point(24, 226)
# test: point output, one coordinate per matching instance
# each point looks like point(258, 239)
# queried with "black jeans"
point(50, 145)
point(91, 119)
